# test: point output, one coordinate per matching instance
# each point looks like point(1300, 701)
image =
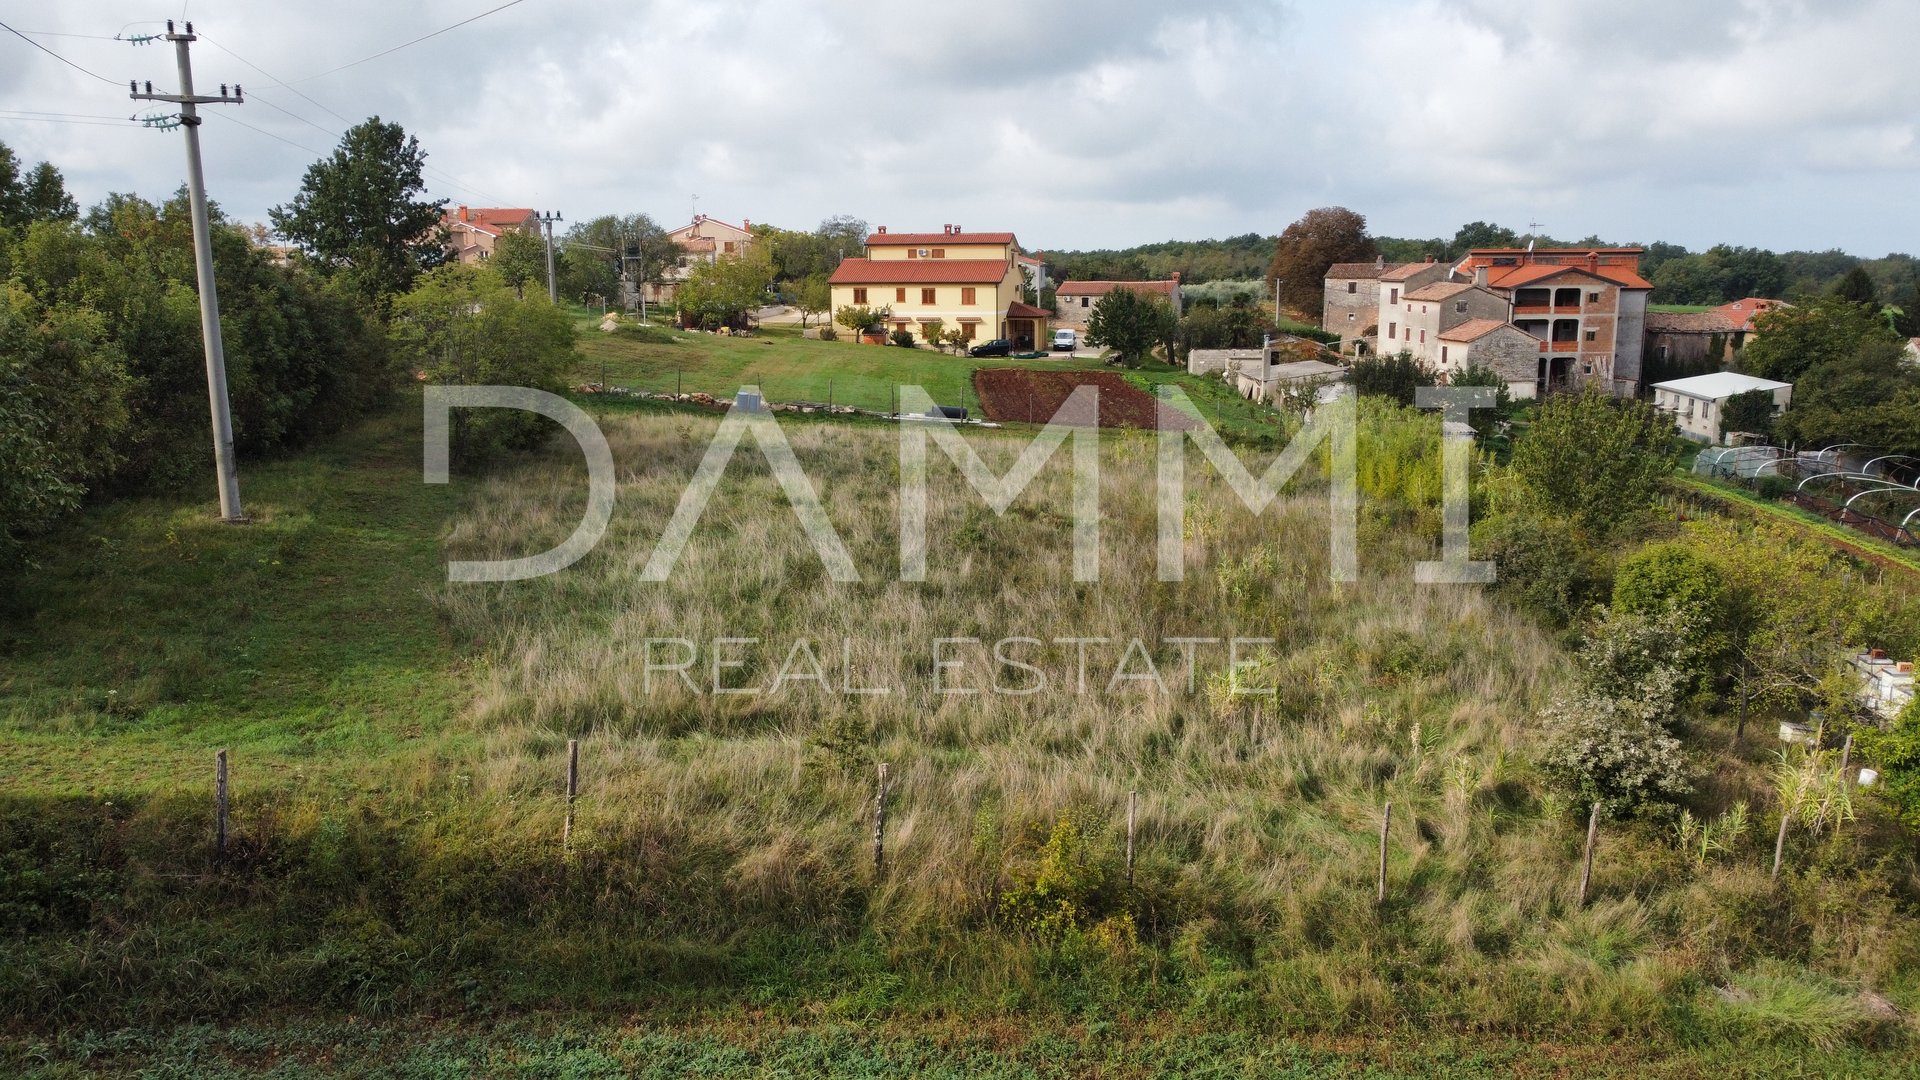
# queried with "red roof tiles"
point(1474, 330)
point(934, 239)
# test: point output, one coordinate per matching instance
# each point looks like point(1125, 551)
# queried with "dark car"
point(996, 347)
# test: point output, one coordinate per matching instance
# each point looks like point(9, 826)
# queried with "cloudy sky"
point(1778, 124)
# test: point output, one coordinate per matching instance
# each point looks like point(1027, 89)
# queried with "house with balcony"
point(472, 231)
point(969, 280)
point(1587, 306)
point(702, 240)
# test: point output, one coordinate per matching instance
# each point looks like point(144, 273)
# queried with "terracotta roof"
point(1438, 290)
point(919, 272)
point(934, 239)
point(1018, 310)
point(1474, 330)
point(1690, 322)
point(487, 219)
point(703, 219)
point(1556, 251)
point(696, 243)
point(1102, 288)
point(1365, 271)
point(1407, 270)
point(1744, 309)
point(1513, 277)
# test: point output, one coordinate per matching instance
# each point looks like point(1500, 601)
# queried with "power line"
point(72, 115)
point(443, 175)
point(405, 44)
point(56, 120)
point(62, 59)
point(56, 33)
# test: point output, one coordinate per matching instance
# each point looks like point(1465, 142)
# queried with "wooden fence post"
point(573, 789)
point(1846, 757)
point(880, 822)
point(1133, 799)
point(1780, 841)
point(1386, 820)
point(220, 807)
point(1586, 867)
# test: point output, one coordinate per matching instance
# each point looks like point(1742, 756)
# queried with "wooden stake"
point(1386, 819)
point(1133, 799)
point(1780, 841)
point(220, 807)
point(1846, 757)
point(880, 822)
point(1586, 869)
point(573, 789)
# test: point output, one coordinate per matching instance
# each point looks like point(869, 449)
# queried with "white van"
point(1063, 339)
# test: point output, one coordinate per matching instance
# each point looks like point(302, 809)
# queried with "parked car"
point(1064, 340)
point(996, 347)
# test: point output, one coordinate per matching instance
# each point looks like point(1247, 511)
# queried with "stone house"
point(1350, 304)
point(1495, 344)
point(1076, 299)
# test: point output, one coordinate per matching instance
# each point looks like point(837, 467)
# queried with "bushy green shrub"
point(1069, 887)
point(1597, 750)
point(1542, 564)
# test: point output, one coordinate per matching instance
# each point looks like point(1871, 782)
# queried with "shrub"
point(1597, 750)
point(827, 333)
point(1642, 664)
point(1541, 564)
point(1069, 887)
point(902, 337)
point(1594, 458)
point(1395, 375)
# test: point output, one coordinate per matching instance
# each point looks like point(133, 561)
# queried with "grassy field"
point(788, 367)
point(398, 900)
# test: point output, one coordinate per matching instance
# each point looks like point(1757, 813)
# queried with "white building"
point(1698, 402)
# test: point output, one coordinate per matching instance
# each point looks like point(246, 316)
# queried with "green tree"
point(1306, 248)
point(1906, 319)
point(722, 292)
point(1131, 324)
point(1750, 410)
point(1595, 458)
point(1856, 287)
point(45, 195)
point(63, 390)
point(520, 258)
point(1787, 341)
point(813, 296)
point(462, 325)
point(1484, 421)
point(1870, 397)
point(12, 195)
point(1597, 750)
point(1482, 234)
point(932, 330)
point(861, 318)
point(359, 212)
point(1393, 375)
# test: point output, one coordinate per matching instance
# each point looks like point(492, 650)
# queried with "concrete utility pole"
point(228, 472)
point(547, 218)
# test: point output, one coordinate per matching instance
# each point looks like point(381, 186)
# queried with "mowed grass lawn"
point(788, 367)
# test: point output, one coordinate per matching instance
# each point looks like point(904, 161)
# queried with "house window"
point(1353, 287)
point(1443, 354)
point(966, 296)
point(911, 254)
point(1459, 306)
point(1423, 337)
point(1083, 301)
point(926, 296)
point(900, 296)
point(1349, 316)
point(1393, 296)
point(1593, 298)
point(1593, 335)
point(1393, 330)
point(966, 330)
point(729, 247)
point(939, 253)
point(860, 296)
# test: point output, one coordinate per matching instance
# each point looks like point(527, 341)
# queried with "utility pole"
point(224, 466)
point(547, 218)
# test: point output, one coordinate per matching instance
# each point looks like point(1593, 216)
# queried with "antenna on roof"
point(1532, 226)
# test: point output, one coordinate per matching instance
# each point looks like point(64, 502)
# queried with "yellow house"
point(964, 279)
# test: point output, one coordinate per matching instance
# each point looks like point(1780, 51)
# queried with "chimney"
point(463, 211)
point(746, 223)
point(956, 230)
point(1593, 261)
point(1379, 262)
point(882, 230)
point(946, 230)
point(1480, 275)
point(1176, 277)
point(1429, 256)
